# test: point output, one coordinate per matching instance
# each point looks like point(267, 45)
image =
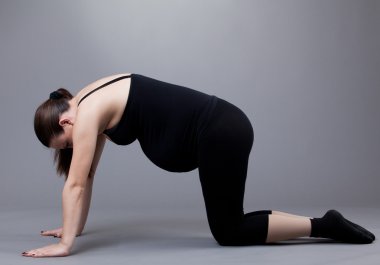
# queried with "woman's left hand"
point(54, 250)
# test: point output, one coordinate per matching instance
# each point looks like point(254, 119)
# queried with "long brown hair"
point(46, 126)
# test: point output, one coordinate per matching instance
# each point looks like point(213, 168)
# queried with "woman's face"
point(65, 139)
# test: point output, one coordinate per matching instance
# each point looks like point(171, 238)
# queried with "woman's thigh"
point(224, 150)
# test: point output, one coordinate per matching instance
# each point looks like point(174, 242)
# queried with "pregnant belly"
point(172, 157)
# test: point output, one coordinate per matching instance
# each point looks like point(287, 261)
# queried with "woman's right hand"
point(55, 232)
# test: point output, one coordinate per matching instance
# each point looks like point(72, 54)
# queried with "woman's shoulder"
point(98, 83)
point(101, 108)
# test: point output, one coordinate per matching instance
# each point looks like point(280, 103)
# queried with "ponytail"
point(62, 158)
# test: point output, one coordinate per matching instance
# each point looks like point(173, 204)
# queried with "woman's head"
point(47, 125)
point(54, 129)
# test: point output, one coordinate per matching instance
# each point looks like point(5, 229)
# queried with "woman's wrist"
point(66, 244)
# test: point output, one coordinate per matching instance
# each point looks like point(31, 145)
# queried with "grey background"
point(306, 73)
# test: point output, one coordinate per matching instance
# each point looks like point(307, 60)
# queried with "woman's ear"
point(65, 121)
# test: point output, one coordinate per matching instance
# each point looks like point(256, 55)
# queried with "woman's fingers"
point(56, 232)
point(54, 250)
point(32, 253)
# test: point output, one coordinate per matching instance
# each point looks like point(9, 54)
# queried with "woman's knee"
point(240, 240)
point(252, 231)
point(227, 239)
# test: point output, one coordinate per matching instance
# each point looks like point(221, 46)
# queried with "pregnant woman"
point(179, 129)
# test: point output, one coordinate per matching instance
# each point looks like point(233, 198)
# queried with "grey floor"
point(174, 236)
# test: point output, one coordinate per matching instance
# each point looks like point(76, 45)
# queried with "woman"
point(179, 129)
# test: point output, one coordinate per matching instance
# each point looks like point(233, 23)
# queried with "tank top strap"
point(106, 84)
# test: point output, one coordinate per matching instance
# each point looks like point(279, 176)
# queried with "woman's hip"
point(228, 123)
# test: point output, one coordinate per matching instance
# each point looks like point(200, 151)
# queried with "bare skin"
point(83, 131)
point(87, 199)
point(284, 226)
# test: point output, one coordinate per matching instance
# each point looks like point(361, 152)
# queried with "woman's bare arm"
point(85, 134)
point(88, 191)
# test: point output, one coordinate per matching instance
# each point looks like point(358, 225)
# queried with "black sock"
point(362, 229)
point(333, 225)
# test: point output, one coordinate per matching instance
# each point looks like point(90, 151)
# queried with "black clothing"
point(333, 225)
point(168, 121)
point(181, 129)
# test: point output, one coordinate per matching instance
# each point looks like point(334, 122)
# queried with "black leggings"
point(224, 149)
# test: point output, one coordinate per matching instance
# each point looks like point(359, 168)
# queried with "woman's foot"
point(333, 225)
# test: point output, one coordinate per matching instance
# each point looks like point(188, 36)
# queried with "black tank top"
point(167, 120)
point(128, 137)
